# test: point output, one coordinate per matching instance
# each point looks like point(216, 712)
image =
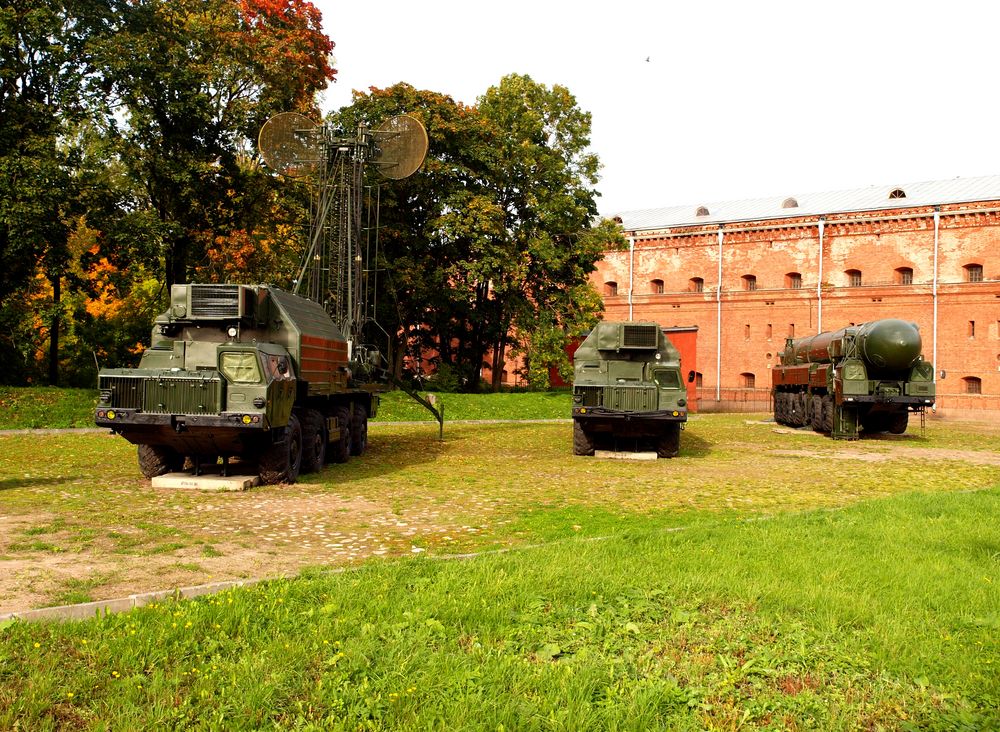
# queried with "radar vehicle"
point(627, 390)
point(281, 380)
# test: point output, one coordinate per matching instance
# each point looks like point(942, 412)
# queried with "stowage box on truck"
point(627, 390)
point(244, 371)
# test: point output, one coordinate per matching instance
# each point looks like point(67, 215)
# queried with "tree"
point(541, 189)
point(194, 80)
point(492, 244)
point(42, 98)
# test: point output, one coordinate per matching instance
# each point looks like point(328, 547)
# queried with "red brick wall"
point(756, 322)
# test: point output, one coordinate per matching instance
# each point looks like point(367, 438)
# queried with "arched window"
point(793, 280)
point(748, 380)
point(789, 203)
point(699, 379)
point(611, 289)
point(904, 275)
point(853, 277)
point(656, 287)
point(973, 385)
point(696, 284)
point(897, 193)
point(702, 211)
point(749, 282)
point(973, 272)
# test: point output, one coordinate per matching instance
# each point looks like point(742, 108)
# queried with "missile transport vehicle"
point(867, 377)
point(627, 390)
point(239, 371)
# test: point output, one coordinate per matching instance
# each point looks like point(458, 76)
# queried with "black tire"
point(313, 441)
point(780, 410)
point(817, 413)
point(340, 450)
point(359, 430)
point(899, 422)
point(282, 461)
point(583, 443)
point(669, 443)
point(828, 413)
point(158, 460)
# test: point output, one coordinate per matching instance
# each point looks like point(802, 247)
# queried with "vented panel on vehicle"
point(639, 336)
point(167, 395)
point(631, 398)
point(215, 301)
point(593, 396)
point(126, 391)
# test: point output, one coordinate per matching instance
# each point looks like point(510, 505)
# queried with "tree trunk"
point(54, 330)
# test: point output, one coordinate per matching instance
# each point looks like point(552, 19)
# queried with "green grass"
point(878, 616)
point(764, 579)
point(396, 406)
point(46, 407)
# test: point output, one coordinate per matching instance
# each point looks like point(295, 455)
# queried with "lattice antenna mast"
point(331, 268)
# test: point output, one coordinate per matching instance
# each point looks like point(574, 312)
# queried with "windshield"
point(240, 367)
point(667, 379)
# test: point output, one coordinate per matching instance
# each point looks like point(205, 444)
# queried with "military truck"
point(627, 390)
point(240, 371)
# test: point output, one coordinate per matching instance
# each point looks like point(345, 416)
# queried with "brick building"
point(749, 274)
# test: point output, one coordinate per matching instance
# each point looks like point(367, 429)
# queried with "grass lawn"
point(765, 578)
point(42, 406)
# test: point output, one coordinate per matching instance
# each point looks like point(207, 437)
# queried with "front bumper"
point(122, 419)
point(615, 415)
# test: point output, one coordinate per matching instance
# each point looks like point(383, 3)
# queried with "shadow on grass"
point(10, 484)
point(387, 453)
point(694, 446)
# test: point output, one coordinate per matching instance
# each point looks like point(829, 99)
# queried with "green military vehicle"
point(627, 390)
point(244, 371)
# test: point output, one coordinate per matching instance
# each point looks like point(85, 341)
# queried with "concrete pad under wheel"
point(612, 455)
point(206, 481)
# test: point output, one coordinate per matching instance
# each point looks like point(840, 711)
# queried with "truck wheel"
point(313, 441)
point(359, 431)
point(158, 460)
point(583, 443)
point(828, 413)
point(282, 461)
point(817, 413)
point(670, 441)
point(340, 450)
point(898, 423)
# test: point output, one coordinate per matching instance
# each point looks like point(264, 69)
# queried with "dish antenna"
point(334, 271)
point(290, 144)
point(401, 145)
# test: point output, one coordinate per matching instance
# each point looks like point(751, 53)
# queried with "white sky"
point(738, 99)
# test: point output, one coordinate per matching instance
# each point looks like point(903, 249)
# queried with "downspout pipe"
point(819, 282)
point(934, 292)
point(631, 272)
point(718, 326)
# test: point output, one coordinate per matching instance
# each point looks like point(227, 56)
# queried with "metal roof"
point(873, 198)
